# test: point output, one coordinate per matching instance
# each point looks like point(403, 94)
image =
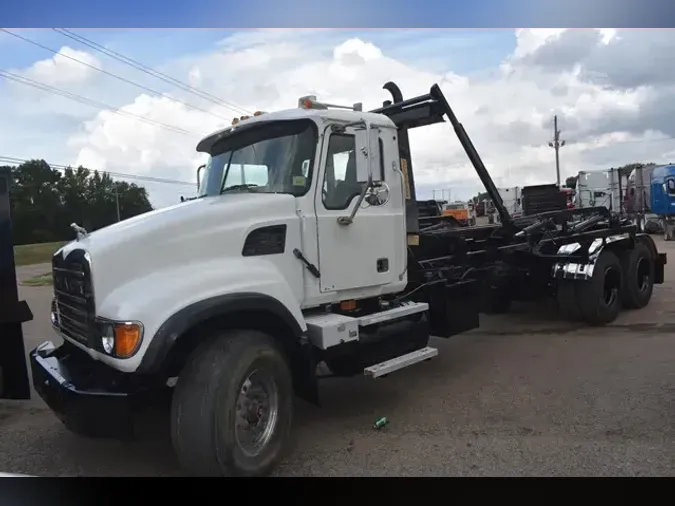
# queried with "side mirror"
point(367, 154)
point(199, 170)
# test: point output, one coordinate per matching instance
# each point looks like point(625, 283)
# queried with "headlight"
point(108, 339)
point(121, 339)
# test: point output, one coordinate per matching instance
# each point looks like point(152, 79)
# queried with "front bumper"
point(89, 397)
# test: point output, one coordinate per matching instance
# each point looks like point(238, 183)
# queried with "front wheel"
point(232, 407)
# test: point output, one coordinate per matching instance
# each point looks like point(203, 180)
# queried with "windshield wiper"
point(239, 187)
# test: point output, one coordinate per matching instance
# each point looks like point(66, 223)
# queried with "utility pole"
point(442, 191)
point(556, 144)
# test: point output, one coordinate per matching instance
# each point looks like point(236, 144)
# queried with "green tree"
point(625, 170)
point(45, 202)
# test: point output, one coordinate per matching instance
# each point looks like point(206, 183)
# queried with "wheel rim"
point(643, 274)
point(257, 412)
point(611, 286)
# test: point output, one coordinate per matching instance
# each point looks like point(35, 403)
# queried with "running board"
point(405, 309)
point(389, 366)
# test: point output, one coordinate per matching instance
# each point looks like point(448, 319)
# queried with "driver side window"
point(670, 185)
point(340, 184)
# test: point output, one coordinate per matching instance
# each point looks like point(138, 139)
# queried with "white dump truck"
point(233, 299)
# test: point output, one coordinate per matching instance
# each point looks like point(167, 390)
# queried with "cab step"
point(394, 364)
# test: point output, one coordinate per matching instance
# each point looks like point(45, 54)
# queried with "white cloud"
point(62, 69)
point(531, 40)
point(610, 107)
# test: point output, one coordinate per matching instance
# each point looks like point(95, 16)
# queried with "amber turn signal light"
point(127, 339)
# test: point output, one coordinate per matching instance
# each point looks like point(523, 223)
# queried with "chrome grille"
point(73, 296)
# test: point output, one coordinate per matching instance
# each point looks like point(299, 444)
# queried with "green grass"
point(41, 280)
point(30, 254)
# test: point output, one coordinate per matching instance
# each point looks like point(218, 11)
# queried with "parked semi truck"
point(662, 198)
point(237, 297)
point(603, 188)
point(637, 199)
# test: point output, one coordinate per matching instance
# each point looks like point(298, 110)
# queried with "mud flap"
point(454, 308)
point(305, 381)
point(659, 268)
point(14, 381)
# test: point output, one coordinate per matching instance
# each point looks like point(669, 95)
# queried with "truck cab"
point(461, 211)
point(307, 160)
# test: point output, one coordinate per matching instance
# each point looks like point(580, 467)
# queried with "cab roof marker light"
point(236, 121)
point(310, 102)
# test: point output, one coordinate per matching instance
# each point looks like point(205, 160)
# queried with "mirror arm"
point(348, 220)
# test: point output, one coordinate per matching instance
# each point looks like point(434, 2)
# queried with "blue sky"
point(346, 13)
point(463, 51)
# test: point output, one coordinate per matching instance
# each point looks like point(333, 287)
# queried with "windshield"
point(273, 157)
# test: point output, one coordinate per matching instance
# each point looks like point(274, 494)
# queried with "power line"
point(111, 74)
point(642, 141)
point(18, 161)
point(86, 101)
point(144, 68)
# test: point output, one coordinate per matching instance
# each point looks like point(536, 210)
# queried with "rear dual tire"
point(599, 298)
point(639, 270)
point(618, 281)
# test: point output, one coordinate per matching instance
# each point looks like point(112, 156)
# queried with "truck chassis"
point(243, 369)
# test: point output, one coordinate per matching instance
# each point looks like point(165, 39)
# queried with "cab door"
point(367, 252)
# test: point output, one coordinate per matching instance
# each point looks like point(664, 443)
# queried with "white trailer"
point(511, 197)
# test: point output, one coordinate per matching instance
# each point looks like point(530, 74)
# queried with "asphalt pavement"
point(524, 395)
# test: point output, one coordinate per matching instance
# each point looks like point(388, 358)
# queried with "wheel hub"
point(256, 412)
point(611, 286)
point(642, 274)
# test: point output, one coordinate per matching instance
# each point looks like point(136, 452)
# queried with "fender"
point(162, 293)
point(169, 332)
point(584, 271)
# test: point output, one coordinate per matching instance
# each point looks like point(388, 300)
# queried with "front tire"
point(233, 406)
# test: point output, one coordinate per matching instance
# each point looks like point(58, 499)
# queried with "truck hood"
point(186, 233)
